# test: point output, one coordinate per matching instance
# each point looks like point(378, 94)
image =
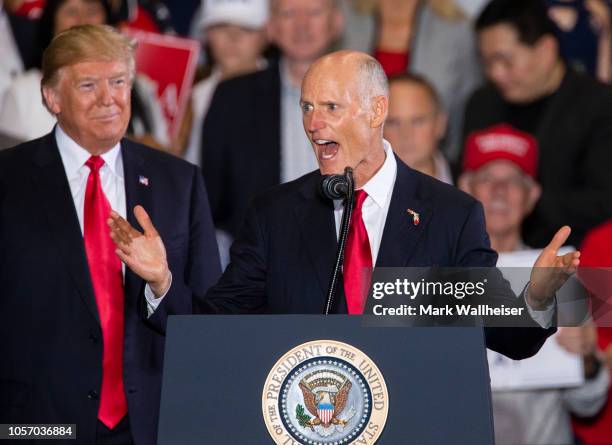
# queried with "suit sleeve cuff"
point(152, 302)
point(544, 317)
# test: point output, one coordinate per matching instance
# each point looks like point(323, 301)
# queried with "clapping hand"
point(144, 253)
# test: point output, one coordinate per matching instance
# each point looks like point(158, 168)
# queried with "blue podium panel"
point(216, 368)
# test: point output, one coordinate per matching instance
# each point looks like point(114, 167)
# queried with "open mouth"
point(326, 149)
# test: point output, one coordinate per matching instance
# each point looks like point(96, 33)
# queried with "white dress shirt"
point(376, 206)
point(74, 158)
point(374, 212)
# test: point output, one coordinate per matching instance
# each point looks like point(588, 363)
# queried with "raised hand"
point(144, 253)
point(550, 271)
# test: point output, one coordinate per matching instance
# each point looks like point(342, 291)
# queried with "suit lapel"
point(56, 199)
point(139, 185)
point(401, 234)
point(317, 226)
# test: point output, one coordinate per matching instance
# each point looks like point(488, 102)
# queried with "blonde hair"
point(447, 9)
point(86, 43)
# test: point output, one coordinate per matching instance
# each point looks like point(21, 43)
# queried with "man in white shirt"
point(252, 137)
point(282, 260)
point(82, 336)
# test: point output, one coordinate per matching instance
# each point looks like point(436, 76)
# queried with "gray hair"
point(373, 81)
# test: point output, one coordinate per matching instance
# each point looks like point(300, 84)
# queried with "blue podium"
point(292, 379)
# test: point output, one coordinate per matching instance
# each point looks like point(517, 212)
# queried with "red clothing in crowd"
point(393, 63)
point(142, 20)
point(597, 253)
point(31, 9)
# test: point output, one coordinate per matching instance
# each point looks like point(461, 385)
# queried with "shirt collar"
point(380, 186)
point(74, 156)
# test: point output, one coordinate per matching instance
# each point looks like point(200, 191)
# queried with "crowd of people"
point(507, 100)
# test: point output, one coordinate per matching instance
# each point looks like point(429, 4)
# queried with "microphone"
point(335, 186)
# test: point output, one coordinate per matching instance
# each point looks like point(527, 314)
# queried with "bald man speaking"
point(282, 260)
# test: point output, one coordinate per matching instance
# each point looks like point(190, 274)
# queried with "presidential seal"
point(325, 392)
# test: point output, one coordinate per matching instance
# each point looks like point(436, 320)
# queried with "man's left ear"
point(380, 108)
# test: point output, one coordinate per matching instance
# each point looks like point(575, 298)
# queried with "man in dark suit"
point(569, 114)
point(252, 137)
point(82, 339)
point(282, 260)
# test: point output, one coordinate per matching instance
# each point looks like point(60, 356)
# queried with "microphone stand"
point(349, 203)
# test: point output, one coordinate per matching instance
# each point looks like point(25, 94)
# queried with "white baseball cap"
point(247, 13)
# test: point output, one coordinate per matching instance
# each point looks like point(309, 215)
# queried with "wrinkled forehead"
point(324, 78)
point(94, 69)
point(102, 66)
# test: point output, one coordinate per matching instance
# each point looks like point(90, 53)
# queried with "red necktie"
point(357, 259)
point(107, 280)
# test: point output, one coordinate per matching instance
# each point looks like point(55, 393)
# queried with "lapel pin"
point(415, 217)
point(143, 180)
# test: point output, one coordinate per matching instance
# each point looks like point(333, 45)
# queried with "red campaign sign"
point(171, 62)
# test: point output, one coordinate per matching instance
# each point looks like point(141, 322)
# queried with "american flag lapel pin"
point(143, 180)
point(415, 217)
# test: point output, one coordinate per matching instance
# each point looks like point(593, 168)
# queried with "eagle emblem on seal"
point(325, 394)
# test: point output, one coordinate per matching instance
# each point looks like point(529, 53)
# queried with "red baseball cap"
point(501, 142)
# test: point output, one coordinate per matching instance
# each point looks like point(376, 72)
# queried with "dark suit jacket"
point(51, 347)
point(25, 33)
point(575, 151)
point(241, 144)
point(283, 258)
